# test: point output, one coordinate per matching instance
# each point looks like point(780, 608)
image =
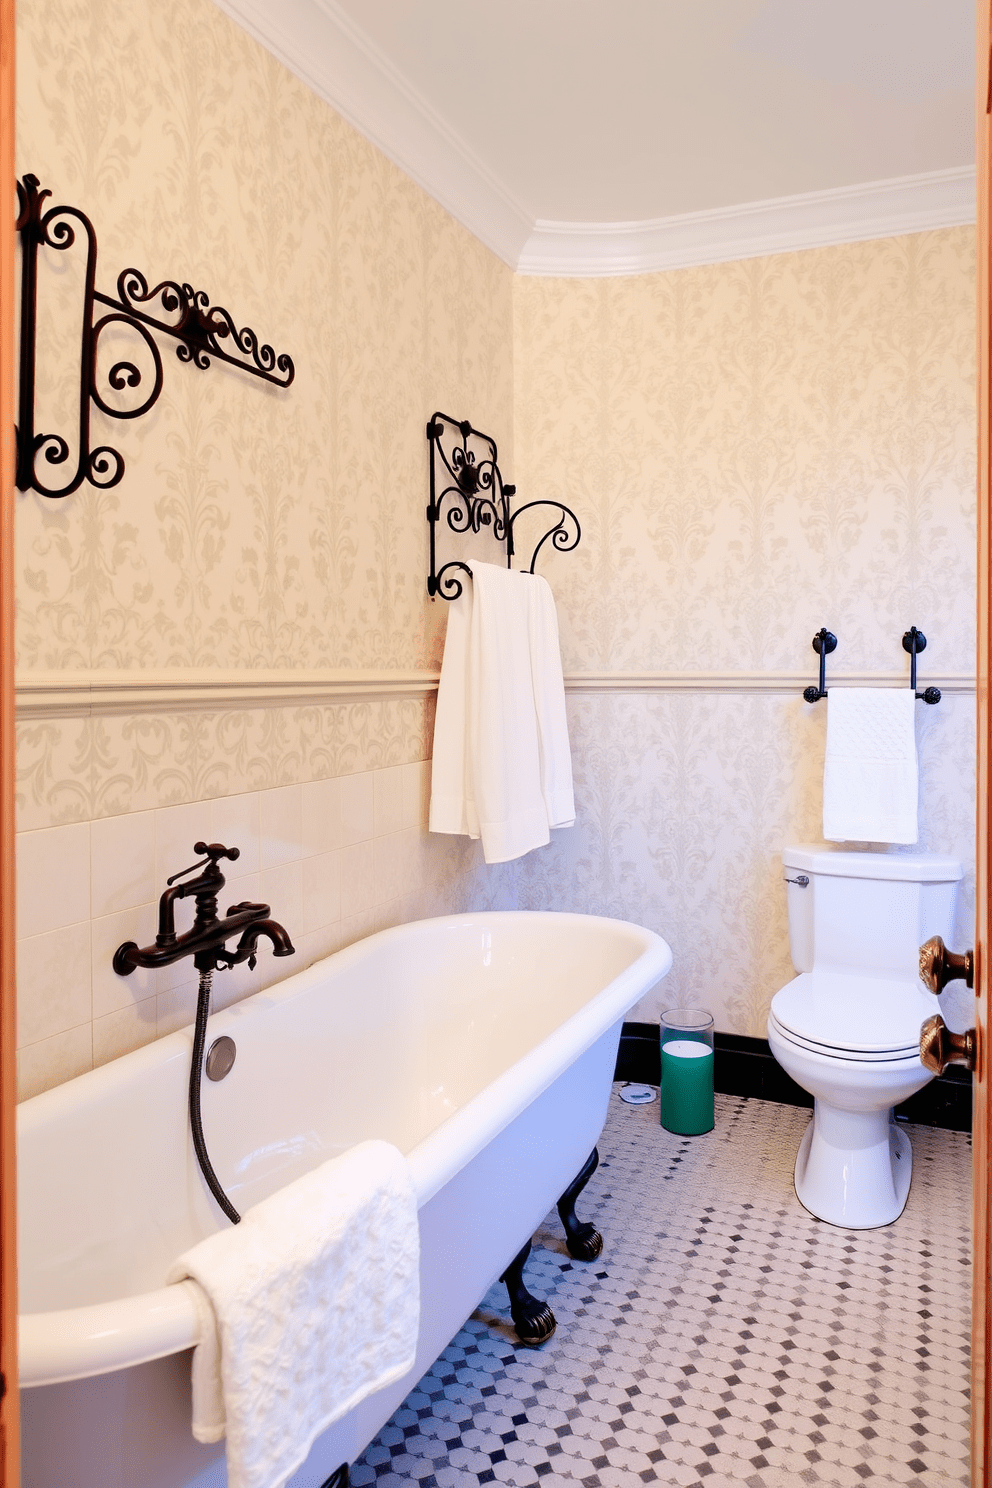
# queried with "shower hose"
point(195, 1077)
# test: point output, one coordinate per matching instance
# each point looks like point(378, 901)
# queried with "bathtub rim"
point(80, 1342)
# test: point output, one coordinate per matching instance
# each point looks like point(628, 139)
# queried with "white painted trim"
point(102, 694)
point(756, 682)
point(818, 219)
point(322, 46)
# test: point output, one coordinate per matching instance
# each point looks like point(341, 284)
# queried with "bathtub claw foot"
point(582, 1240)
point(533, 1320)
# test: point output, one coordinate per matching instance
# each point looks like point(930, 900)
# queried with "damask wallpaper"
point(254, 527)
point(757, 449)
point(754, 450)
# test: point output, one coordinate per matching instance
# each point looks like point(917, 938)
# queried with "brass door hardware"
point(938, 965)
point(939, 1047)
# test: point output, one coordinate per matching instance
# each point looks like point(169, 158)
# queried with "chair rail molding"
point(102, 693)
point(757, 682)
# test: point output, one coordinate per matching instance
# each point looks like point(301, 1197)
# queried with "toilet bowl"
point(847, 1028)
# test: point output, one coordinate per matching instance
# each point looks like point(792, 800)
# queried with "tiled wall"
point(336, 859)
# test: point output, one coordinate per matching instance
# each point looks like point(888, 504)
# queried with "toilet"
point(847, 1028)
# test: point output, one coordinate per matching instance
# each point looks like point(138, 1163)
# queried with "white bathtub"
point(482, 1045)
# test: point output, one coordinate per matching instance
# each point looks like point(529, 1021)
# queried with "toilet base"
point(853, 1169)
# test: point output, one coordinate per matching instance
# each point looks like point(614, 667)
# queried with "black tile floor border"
point(724, 1337)
point(747, 1066)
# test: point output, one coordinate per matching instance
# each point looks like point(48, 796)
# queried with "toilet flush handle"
point(939, 1047)
point(938, 965)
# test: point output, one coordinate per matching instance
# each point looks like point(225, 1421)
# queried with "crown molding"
point(104, 694)
point(818, 219)
point(319, 43)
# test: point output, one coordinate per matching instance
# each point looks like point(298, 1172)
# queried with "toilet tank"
point(866, 911)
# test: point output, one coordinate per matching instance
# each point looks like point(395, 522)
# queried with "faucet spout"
point(248, 944)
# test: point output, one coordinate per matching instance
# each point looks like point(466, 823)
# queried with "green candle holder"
point(687, 1071)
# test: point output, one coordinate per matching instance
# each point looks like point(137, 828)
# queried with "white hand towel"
point(549, 700)
point(308, 1305)
point(504, 746)
point(501, 765)
point(452, 802)
point(870, 774)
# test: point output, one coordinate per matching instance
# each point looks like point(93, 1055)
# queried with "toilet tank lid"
point(916, 867)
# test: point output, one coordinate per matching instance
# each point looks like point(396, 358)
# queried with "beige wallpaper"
point(753, 449)
point(756, 450)
point(80, 769)
point(254, 527)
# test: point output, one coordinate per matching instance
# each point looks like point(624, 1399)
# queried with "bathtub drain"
point(220, 1057)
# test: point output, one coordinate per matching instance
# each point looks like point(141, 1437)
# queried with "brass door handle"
point(939, 1047)
point(938, 965)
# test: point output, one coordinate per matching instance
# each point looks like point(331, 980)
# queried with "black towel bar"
point(914, 641)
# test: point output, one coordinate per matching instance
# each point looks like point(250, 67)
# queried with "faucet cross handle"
point(214, 852)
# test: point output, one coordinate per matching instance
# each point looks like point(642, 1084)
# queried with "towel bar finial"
point(914, 641)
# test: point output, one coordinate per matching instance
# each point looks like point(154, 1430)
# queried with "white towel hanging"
point(870, 773)
point(501, 767)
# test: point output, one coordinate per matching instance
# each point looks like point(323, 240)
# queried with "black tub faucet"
point(206, 941)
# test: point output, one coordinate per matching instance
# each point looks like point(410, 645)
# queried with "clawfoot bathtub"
point(482, 1045)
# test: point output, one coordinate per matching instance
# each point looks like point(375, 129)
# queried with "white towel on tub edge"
point(307, 1306)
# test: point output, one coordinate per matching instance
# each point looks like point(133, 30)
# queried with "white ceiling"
point(529, 117)
point(621, 110)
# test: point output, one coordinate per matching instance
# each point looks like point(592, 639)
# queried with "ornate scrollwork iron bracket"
point(182, 312)
point(465, 473)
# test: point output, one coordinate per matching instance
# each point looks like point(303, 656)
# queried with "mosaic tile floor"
point(724, 1336)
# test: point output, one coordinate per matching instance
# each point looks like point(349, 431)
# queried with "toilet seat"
point(855, 1056)
point(852, 1017)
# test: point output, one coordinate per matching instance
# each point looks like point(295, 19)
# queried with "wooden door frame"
point(9, 1413)
point(981, 1376)
point(981, 1457)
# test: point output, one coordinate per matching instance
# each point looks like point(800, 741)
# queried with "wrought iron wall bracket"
point(465, 473)
point(172, 309)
